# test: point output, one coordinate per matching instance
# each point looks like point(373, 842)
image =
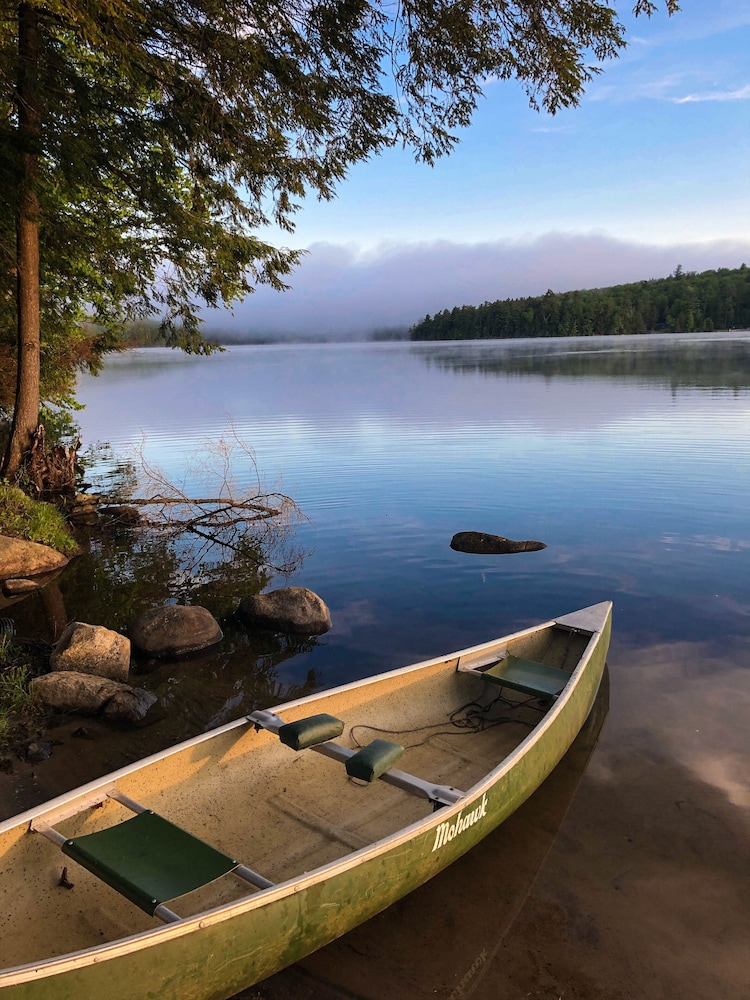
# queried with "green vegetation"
point(22, 517)
point(15, 698)
point(685, 302)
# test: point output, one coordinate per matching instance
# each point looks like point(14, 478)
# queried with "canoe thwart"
point(307, 732)
point(371, 761)
point(527, 676)
point(148, 859)
point(438, 795)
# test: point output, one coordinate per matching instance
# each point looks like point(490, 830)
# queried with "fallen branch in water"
point(226, 513)
point(200, 501)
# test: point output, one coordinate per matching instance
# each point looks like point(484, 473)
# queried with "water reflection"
point(696, 363)
point(445, 939)
point(121, 572)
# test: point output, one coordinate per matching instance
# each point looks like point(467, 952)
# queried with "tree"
point(144, 143)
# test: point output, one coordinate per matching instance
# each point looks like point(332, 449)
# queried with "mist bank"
point(341, 291)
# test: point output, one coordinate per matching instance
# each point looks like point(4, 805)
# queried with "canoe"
point(206, 868)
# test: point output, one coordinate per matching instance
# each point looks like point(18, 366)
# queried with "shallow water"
point(630, 459)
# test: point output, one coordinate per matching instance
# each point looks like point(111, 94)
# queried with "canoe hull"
point(228, 949)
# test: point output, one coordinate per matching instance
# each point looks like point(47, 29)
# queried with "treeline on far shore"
point(685, 302)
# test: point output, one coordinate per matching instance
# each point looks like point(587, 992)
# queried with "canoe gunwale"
point(69, 803)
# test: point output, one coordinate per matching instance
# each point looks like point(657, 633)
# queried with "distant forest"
point(685, 302)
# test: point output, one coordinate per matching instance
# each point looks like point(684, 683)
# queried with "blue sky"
point(650, 170)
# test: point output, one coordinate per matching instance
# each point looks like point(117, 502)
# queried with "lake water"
point(630, 459)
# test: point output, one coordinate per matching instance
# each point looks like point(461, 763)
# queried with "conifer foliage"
point(685, 302)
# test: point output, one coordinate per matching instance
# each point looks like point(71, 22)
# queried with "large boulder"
point(174, 630)
point(295, 610)
point(21, 560)
point(485, 544)
point(86, 694)
point(92, 649)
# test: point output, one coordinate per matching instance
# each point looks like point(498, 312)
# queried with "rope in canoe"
point(475, 719)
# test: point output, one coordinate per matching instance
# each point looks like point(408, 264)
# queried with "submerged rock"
point(121, 516)
point(37, 752)
point(129, 704)
point(294, 610)
point(485, 544)
point(174, 630)
point(92, 649)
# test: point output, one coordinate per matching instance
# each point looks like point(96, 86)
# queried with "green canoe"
point(208, 867)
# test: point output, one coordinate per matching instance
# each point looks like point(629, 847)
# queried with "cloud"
point(743, 94)
point(659, 89)
point(342, 290)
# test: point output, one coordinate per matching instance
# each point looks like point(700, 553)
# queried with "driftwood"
point(219, 505)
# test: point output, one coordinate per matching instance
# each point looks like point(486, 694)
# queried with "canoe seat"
point(527, 676)
point(371, 761)
point(305, 733)
point(149, 860)
point(368, 763)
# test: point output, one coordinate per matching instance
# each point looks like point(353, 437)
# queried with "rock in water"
point(20, 559)
point(295, 610)
point(175, 630)
point(92, 649)
point(70, 691)
point(485, 544)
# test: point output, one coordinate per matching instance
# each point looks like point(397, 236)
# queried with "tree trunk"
point(26, 410)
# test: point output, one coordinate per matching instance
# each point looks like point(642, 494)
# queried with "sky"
point(651, 170)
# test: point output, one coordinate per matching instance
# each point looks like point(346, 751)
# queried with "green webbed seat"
point(148, 859)
point(527, 676)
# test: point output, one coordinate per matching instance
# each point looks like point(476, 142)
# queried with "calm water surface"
point(630, 458)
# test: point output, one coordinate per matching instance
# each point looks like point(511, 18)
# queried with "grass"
point(34, 521)
point(15, 696)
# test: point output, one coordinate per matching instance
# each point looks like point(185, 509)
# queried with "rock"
point(84, 512)
point(20, 586)
point(174, 630)
point(37, 752)
point(129, 704)
point(481, 542)
point(69, 691)
point(21, 560)
point(291, 609)
point(92, 649)
point(121, 516)
point(13, 588)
